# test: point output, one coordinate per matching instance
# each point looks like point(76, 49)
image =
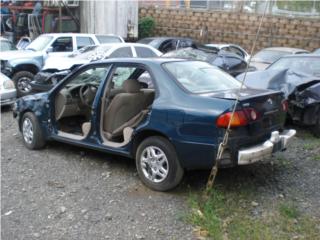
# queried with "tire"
point(164, 157)
point(33, 139)
point(22, 81)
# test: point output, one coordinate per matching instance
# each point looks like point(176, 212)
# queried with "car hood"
point(63, 63)
point(18, 54)
point(285, 80)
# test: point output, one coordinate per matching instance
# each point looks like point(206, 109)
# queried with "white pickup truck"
point(22, 65)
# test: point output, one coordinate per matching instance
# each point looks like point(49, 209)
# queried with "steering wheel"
point(87, 92)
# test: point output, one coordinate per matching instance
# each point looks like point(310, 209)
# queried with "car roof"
point(157, 60)
point(167, 38)
point(285, 49)
point(78, 34)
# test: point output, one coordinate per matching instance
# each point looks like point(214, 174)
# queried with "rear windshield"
point(201, 77)
point(308, 65)
point(268, 56)
point(96, 52)
point(108, 39)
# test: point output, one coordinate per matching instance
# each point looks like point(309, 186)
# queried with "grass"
point(317, 158)
point(229, 215)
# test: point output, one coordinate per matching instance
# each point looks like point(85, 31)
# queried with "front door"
point(75, 101)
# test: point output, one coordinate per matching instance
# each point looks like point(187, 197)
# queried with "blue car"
point(168, 114)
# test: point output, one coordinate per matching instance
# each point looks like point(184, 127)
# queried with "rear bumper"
point(277, 142)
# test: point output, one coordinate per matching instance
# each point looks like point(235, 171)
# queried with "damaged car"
point(229, 62)
point(170, 115)
point(57, 68)
point(298, 77)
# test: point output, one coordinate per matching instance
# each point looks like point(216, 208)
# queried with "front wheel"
point(31, 132)
point(157, 164)
point(22, 81)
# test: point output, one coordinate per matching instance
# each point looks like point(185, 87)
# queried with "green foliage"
point(229, 215)
point(299, 6)
point(146, 27)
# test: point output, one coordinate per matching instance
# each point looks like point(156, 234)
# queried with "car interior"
point(126, 101)
point(125, 104)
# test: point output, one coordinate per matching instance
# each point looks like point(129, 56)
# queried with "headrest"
point(131, 86)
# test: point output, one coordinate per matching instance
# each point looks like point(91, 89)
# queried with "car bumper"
point(277, 142)
point(8, 97)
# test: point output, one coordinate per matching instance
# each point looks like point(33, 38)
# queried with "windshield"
point(6, 46)
point(308, 65)
point(40, 43)
point(192, 54)
point(268, 56)
point(201, 77)
point(94, 53)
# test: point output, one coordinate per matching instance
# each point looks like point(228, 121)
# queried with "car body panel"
point(187, 120)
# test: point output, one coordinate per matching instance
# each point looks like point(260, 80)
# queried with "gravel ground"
point(65, 192)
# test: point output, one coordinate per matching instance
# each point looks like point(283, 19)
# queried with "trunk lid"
point(267, 104)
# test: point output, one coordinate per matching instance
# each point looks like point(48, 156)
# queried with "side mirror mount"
point(49, 50)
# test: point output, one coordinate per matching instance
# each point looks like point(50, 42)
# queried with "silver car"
point(8, 91)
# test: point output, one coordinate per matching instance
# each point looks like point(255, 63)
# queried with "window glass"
point(145, 52)
point(93, 76)
point(121, 74)
point(84, 41)
point(6, 46)
point(268, 56)
point(145, 78)
point(108, 39)
point(236, 51)
point(62, 44)
point(308, 65)
point(122, 52)
point(168, 46)
point(200, 77)
point(40, 43)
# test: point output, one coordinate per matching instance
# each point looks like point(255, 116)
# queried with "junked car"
point(298, 77)
point(233, 48)
point(229, 62)
point(8, 92)
point(56, 69)
point(168, 114)
point(262, 59)
point(22, 65)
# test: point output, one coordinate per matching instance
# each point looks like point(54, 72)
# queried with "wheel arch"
point(26, 67)
point(142, 135)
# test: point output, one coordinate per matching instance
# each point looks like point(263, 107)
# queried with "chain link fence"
point(305, 9)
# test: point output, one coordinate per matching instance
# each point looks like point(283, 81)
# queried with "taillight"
point(239, 119)
point(284, 105)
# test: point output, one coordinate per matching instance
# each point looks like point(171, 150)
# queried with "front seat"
point(125, 110)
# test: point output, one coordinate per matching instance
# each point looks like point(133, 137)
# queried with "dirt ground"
point(65, 192)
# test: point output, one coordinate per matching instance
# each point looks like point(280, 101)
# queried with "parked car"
point(262, 59)
point(317, 51)
point(6, 45)
point(298, 77)
point(8, 92)
point(233, 48)
point(229, 62)
point(168, 114)
point(22, 65)
point(57, 68)
point(167, 44)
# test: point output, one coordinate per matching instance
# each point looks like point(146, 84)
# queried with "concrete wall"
point(108, 17)
point(235, 27)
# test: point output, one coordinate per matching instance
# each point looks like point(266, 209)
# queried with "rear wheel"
point(158, 165)
point(31, 132)
point(22, 81)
